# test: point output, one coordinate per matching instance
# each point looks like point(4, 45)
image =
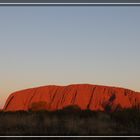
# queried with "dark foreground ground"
point(71, 122)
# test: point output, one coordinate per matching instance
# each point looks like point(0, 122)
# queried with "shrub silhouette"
point(65, 122)
point(37, 106)
point(73, 108)
point(108, 107)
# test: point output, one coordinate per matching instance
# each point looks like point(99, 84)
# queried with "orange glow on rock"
point(85, 96)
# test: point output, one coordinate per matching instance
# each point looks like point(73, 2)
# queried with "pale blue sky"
point(65, 45)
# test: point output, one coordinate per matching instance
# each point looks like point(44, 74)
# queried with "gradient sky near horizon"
point(65, 45)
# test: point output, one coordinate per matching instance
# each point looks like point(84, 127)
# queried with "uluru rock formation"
point(85, 96)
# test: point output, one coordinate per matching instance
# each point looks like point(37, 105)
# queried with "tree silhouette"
point(41, 105)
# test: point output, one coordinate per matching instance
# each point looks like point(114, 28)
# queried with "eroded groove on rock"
point(90, 100)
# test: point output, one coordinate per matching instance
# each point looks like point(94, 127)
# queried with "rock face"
point(85, 96)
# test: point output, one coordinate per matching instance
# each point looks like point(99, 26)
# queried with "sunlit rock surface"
point(85, 96)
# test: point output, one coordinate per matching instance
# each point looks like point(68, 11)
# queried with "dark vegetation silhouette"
point(37, 106)
point(70, 120)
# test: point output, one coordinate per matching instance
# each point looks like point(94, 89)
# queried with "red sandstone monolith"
point(85, 96)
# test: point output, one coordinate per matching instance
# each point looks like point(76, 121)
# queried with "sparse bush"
point(37, 106)
point(72, 108)
point(70, 121)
